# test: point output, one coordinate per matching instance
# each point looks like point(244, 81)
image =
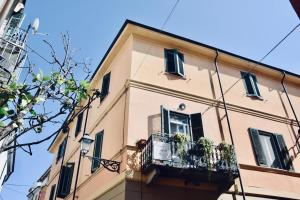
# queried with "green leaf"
point(2, 124)
point(33, 113)
point(46, 78)
point(3, 110)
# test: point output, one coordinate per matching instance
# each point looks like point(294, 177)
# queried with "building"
point(12, 58)
point(12, 39)
point(160, 110)
point(38, 190)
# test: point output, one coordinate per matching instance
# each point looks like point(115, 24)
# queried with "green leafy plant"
point(180, 138)
point(206, 145)
point(226, 153)
point(180, 141)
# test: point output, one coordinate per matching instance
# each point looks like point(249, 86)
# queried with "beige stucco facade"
point(139, 85)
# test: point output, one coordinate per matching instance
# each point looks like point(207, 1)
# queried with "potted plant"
point(180, 140)
point(226, 163)
point(205, 147)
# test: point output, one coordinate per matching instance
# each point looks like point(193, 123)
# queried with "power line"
point(18, 185)
point(170, 14)
point(162, 27)
point(285, 37)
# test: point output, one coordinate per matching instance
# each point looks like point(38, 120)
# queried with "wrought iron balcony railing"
point(188, 160)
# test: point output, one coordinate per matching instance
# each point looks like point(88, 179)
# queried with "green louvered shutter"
point(78, 124)
point(105, 86)
point(283, 153)
point(247, 83)
point(170, 61)
point(65, 181)
point(255, 85)
point(197, 126)
point(257, 146)
point(97, 150)
point(165, 120)
point(180, 58)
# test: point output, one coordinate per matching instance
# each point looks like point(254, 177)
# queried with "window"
point(61, 149)
point(270, 149)
point(79, 124)
point(10, 161)
point(250, 83)
point(105, 86)
point(52, 192)
point(97, 150)
point(174, 62)
point(174, 122)
point(65, 180)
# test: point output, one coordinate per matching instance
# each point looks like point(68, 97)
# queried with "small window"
point(52, 192)
point(65, 180)
point(105, 86)
point(61, 150)
point(270, 150)
point(78, 124)
point(174, 122)
point(250, 82)
point(97, 151)
point(174, 62)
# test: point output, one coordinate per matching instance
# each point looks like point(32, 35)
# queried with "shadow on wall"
point(154, 124)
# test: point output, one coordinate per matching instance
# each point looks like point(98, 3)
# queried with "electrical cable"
point(257, 64)
point(161, 28)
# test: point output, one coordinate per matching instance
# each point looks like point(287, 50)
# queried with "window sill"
point(270, 170)
point(176, 75)
point(255, 97)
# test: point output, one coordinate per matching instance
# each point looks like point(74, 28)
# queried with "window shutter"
point(258, 149)
point(97, 150)
point(170, 61)
point(79, 124)
point(254, 80)
point(247, 83)
point(105, 86)
point(10, 162)
point(59, 152)
point(61, 183)
point(52, 193)
point(65, 181)
point(61, 149)
point(165, 120)
point(197, 126)
point(180, 63)
point(283, 152)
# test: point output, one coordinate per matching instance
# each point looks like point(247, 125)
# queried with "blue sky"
point(247, 28)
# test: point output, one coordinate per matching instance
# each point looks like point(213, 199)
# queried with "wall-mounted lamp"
point(181, 106)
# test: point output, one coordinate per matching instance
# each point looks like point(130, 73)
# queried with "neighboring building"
point(12, 39)
point(163, 88)
point(38, 190)
point(12, 58)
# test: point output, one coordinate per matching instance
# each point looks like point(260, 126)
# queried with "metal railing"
point(162, 150)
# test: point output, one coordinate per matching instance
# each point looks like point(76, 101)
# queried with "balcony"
point(190, 161)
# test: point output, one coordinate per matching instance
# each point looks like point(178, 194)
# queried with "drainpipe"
point(287, 95)
point(228, 122)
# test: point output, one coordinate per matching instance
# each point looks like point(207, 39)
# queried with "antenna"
point(35, 25)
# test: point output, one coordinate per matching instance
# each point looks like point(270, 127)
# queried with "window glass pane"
point(269, 151)
point(179, 123)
